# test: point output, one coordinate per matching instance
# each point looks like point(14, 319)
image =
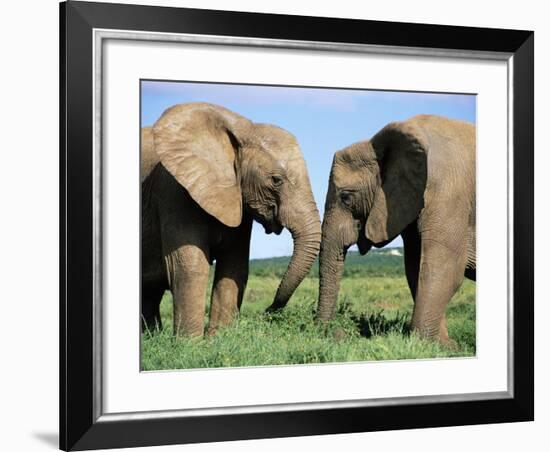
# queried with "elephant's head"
point(376, 188)
point(229, 164)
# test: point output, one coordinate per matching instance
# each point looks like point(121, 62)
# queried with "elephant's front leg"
point(229, 281)
point(441, 272)
point(188, 268)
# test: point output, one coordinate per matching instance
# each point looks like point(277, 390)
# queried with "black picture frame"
point(80, 428)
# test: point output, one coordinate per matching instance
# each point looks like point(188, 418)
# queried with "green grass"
point(372, 322)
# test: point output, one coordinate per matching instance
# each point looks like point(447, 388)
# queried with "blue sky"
point(323, 121)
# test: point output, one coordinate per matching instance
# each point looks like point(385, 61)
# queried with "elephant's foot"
point(273, 308)
point(188, 328)
point(185, 334)
point(444, 338)
point(437, 333)
point(214, 327)
point(449, 343)
point(211, 331)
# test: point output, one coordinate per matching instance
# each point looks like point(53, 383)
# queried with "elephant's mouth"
point(275, 228)
point(364, 245)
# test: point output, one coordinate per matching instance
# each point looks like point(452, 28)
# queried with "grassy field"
point(374, 312)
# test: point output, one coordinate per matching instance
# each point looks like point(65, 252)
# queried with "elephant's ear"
point(197, 144)
point(401, 151)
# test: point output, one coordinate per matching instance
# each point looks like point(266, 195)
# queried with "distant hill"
point(383, 262)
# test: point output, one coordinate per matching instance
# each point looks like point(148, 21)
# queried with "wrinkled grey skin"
point(415, 178)
point(207, 173)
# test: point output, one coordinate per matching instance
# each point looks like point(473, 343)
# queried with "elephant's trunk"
point(331, 266)
point(305, 228)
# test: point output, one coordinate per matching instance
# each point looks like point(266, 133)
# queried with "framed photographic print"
point(284, 225)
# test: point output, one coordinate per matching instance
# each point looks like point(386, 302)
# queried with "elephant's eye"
point(276, 180)
point(347, 198)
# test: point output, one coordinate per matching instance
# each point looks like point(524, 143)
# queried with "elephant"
point(206, 174)
point(415, 178)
